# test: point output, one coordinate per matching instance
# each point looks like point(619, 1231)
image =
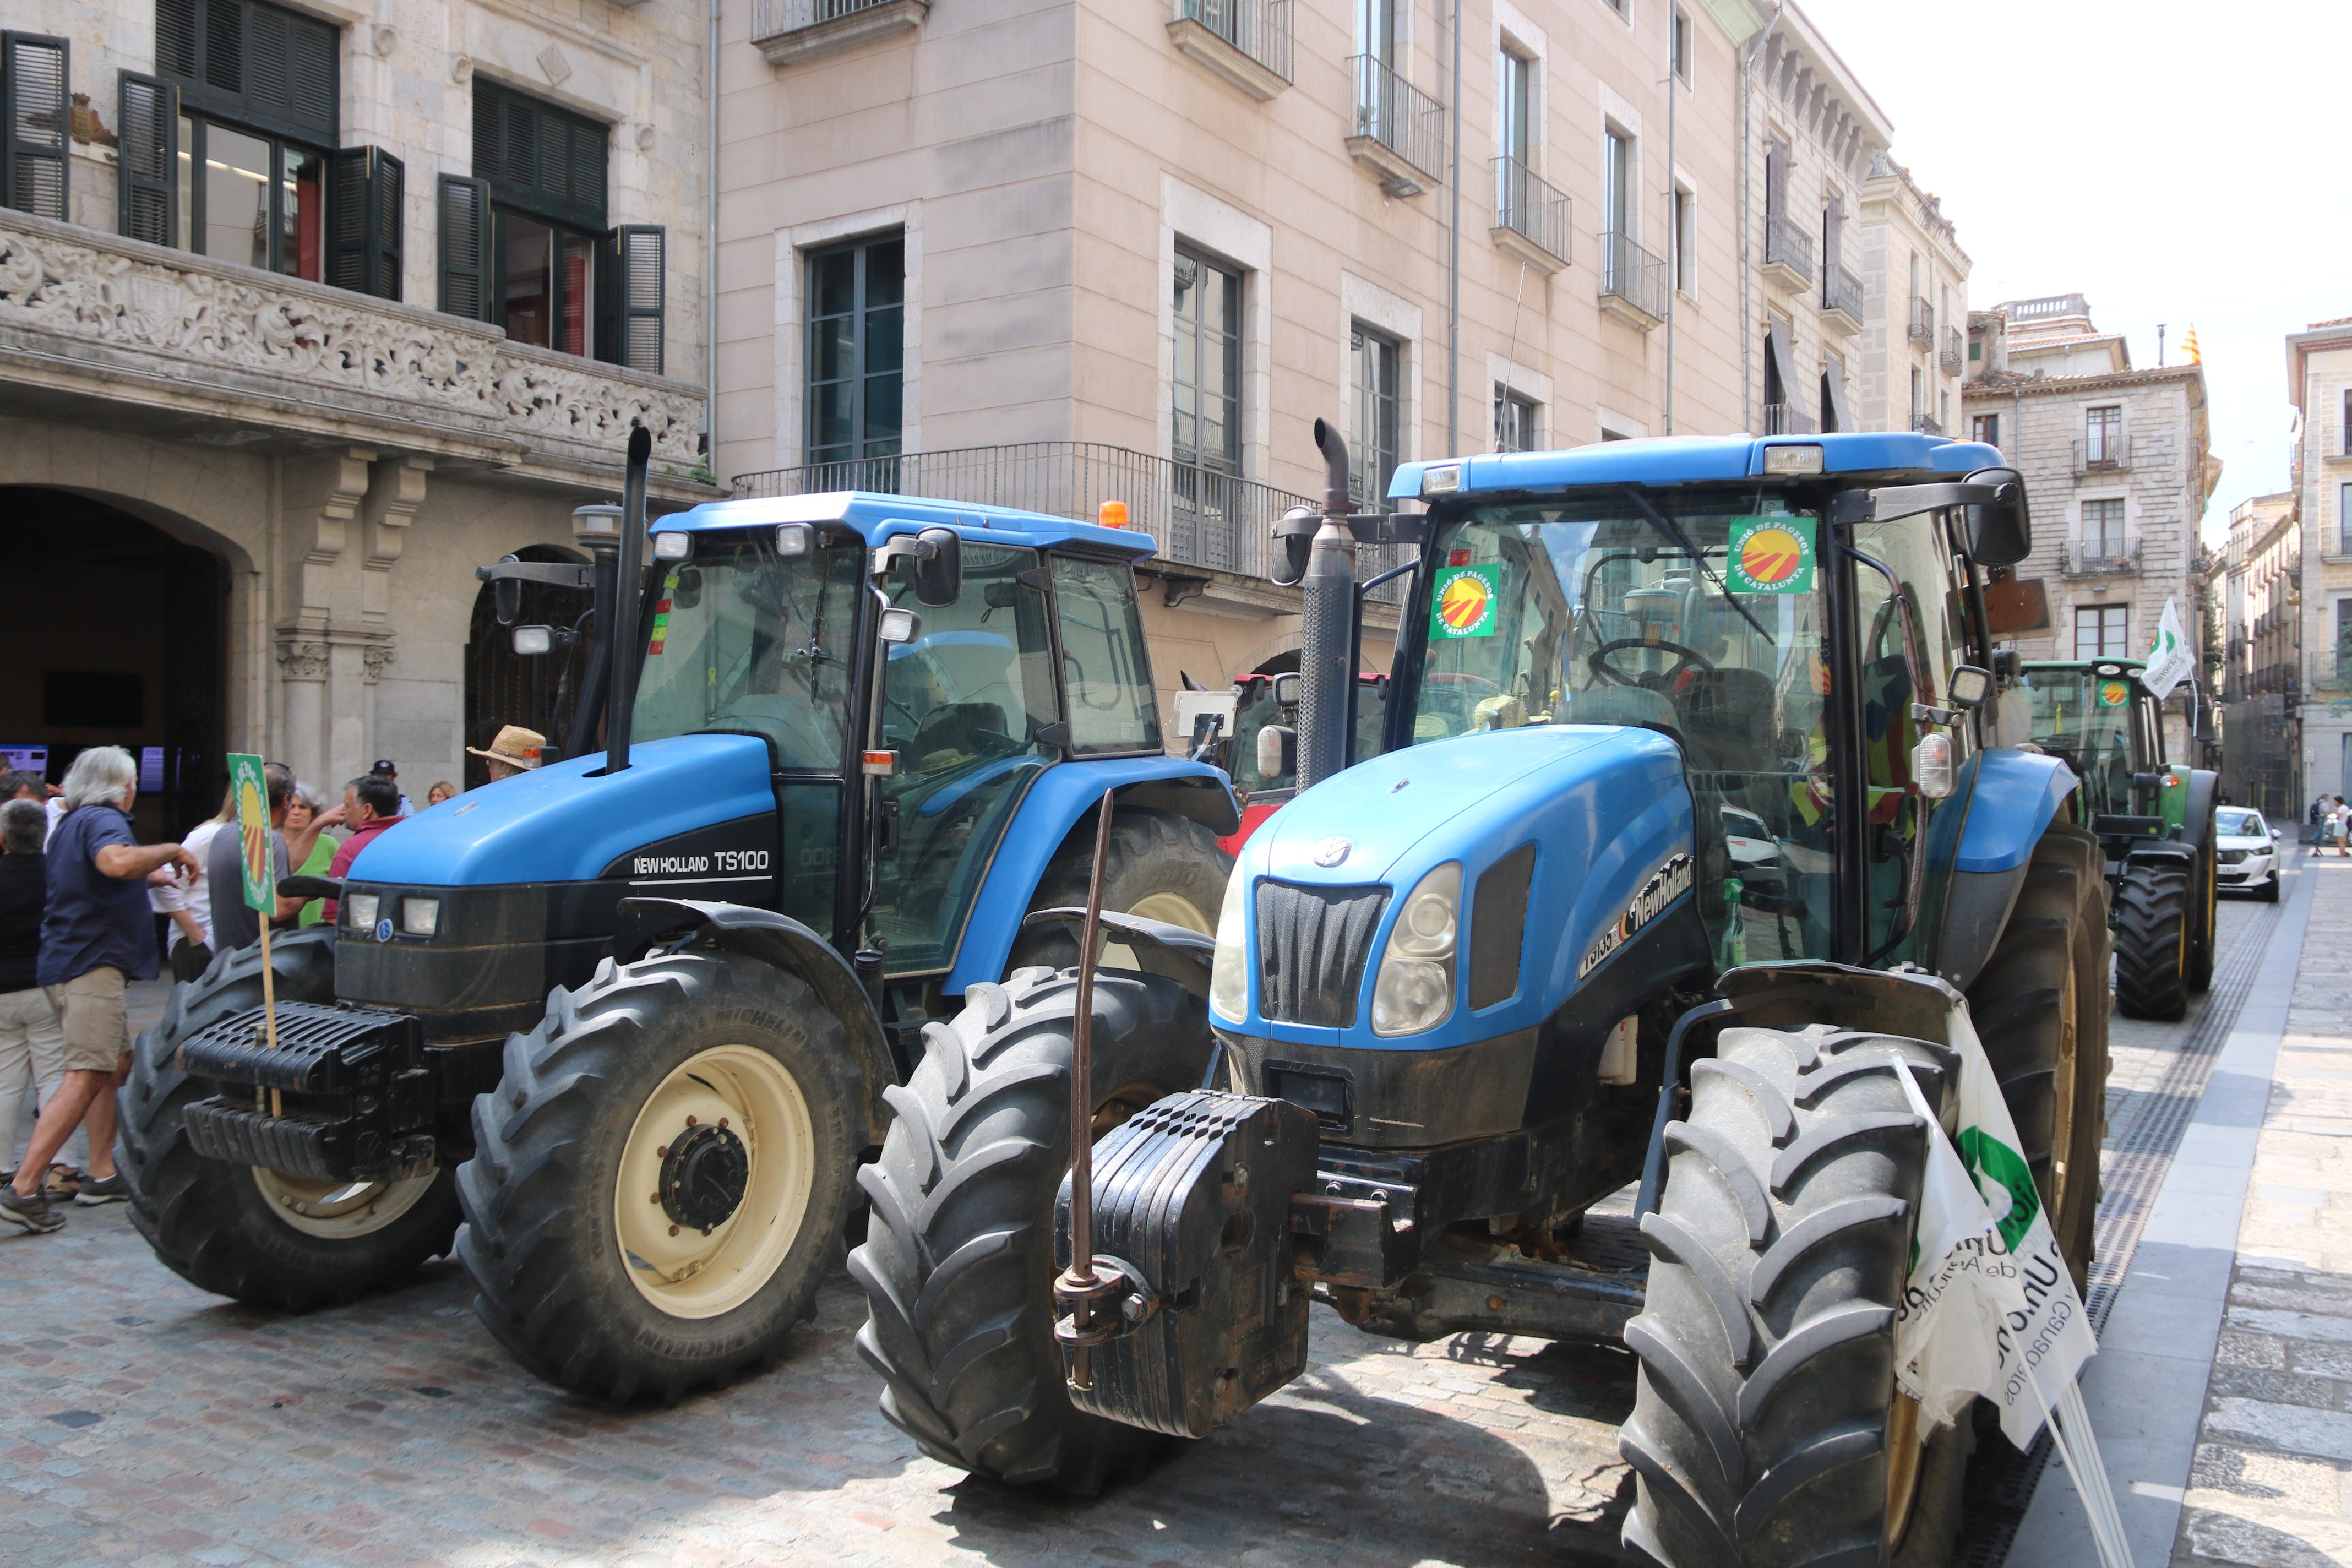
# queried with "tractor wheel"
point(2039, 1007)
point(660, 1176)
point(1767, 1430)
point(958, 1262)
point(2152, 941)
point(256, 1236)
point(1162, 866)
point(2204, 892)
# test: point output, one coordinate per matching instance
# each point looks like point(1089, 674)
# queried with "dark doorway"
point(113, 634)
point(503, 687)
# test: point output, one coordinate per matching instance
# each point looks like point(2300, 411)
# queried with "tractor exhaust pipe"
point(628, 596)
point(1328, 636)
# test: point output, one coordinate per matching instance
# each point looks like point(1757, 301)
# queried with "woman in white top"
point(191, 954)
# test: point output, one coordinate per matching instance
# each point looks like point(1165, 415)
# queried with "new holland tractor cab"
point(2155, 818)
point(633, 1017)
point(1467, 991)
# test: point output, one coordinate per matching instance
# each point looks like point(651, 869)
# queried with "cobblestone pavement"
point(2271, 1484)
point(143, 1422)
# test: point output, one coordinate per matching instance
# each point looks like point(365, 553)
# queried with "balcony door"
point(2103, 529)
point(2102, 433)
point(1378, 361)
point(856, 362)
point(1376, 30)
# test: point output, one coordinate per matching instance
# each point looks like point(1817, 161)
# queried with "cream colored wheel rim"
point(338, 1211)
point(1169, 908)
point(734, 1091)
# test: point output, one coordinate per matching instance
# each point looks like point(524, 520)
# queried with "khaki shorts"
point(97, 1030)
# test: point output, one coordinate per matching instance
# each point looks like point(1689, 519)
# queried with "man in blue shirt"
point(97, 935)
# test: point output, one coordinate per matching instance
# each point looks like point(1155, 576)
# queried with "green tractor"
point(1468, 992)
point(2154, 820)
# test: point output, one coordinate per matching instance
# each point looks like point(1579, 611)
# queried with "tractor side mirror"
point(506, 595)
point(1288, 688)
point(2001, 533)
point(1294, 536)
point(938, 567)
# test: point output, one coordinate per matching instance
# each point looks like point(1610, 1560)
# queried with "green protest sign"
point(252, 794)
point(1771, 556)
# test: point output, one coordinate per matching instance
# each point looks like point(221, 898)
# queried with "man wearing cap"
point(391, 775)
point(515, 750)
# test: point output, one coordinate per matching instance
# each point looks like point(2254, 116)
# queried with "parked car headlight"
point(420, 916)
point(359, 911)
point(1414, 991)
point(1229, 971)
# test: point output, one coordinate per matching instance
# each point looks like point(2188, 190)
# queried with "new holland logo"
point(1670, 881)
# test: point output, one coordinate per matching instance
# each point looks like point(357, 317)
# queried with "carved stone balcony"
point(166, 343)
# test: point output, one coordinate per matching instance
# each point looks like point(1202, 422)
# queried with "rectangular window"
point(254, 64)
point(1106, 666)
point(2103, 528)
point(1514, 422)
point(2343, 521)
point(34, 117)
point(1207, 404)
point(1617, 183)
point(1686, 242)
point(856, 356)
point(257, 200)
point(1776, 184)
point(1376, 30)
point(1680, 48)
point(2103, 435)
point(2343, 635)
point(1373, 436)
point(2103, 631)
point(1918, 396)
point(1518, 89)
point(2344, 431)
point(556, 268)
point(1986, 427)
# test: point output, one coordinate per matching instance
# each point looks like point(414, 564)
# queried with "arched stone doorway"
point(505, 688)
point(113, 633)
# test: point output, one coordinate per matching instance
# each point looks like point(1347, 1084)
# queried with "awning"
point(1834, 380)
point(1784, 363)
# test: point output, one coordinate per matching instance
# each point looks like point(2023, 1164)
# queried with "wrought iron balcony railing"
point(1789, 246)
point(1634, 275)
point(1950, 361)
point(1923, 320)
point(1927, 425)
point(1258, 31)
point(1198, 516)
point(1842, 292)
point(2110, 556)
point(1526, 207)
point(2103, 455)
point(1400, 130)
point(1788, 419)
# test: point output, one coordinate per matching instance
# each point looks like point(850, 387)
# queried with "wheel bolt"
point(722, 1121)
point(673, 1230)
point(653, 1198)
point(706, 1230)
point(689, 1121)
point(662, 1152)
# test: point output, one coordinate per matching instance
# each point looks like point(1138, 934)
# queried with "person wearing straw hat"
point(514, 750)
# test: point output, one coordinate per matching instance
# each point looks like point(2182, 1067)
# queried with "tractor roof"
point(1698, 459)
point(2096, 666)
point(877, 517)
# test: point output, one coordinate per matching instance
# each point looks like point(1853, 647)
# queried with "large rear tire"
point(255, 1235)
point(2152, 941)
point(1766, 1429)
point(1161, 866)
point(660, 1176)
point(958, 1262)
point(2039, 1007)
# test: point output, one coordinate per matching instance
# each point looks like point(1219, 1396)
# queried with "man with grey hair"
point(96, 936)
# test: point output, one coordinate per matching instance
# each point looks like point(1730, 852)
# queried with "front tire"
point(2204, 894)
point(659, 1178)
point(958, 1262)
point(2270, 889)
point(1766, 1429)
point(2152, 941)
point(1161, 866)
point(256, 1236)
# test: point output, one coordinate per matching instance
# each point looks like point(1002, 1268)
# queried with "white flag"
point(2169, 662)
point(1990, 1308)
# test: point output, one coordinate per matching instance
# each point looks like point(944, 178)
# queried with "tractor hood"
point(560, 823)
point(1601, 814)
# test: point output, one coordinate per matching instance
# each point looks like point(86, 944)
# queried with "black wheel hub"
point(703, 1176)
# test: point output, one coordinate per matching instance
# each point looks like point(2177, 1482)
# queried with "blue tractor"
point(635, 1016)
point(1690, 826)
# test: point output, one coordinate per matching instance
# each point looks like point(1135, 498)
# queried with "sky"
point(2174, 163)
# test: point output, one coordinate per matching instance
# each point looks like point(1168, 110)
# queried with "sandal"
point(63, 1181)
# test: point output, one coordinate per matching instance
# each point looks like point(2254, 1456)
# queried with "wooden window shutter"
point(630, 297)
point(274, 70)
point(175, 36)
point(147, 121)
point(363, 240)
point(464, 211)
point(37, 113)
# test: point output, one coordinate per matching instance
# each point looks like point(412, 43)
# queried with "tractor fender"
point(793, 947)
point(2197, 809)
point(2016, 796)
point(1062, 797)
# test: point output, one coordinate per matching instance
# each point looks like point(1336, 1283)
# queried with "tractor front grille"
point(1312, 946)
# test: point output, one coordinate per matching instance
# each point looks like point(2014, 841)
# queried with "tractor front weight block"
point(345, 1095)
point(1204, 1315)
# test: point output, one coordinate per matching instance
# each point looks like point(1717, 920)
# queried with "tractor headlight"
point(1415, 988)
point(359, 911)
point(420, 916)
point(1229, 972)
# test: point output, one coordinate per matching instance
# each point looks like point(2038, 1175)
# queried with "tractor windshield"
point(742, 638)
point(2086, 718)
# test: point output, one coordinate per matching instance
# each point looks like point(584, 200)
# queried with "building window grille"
point(1377, 360)
point(2103, 631)
point(856, 355)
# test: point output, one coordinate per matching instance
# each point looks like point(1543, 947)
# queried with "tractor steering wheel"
point(1690, 658)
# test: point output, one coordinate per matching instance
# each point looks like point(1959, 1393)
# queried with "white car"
point(2245, 853)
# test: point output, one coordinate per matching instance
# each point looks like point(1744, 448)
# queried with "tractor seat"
point(1636, 706)
point(1726, 720)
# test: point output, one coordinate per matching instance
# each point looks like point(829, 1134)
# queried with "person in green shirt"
point(306, 809)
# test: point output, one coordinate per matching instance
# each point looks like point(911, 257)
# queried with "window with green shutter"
point(35, 120)
point(263, 67)
point(629, 317)
point(363, 247)
point(464, 210)
point(147, 119)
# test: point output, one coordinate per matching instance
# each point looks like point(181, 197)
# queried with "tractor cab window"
point(1590, 613)
point(2085, 720)
point(961, 706)
point(743, 639)
point(1105, 666)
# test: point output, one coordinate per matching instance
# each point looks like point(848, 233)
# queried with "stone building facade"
point(2319, 382)
point(2261, 643)
point(305, 313)
point(2118, 466)
point(1082, 252)
point(1917, 282)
